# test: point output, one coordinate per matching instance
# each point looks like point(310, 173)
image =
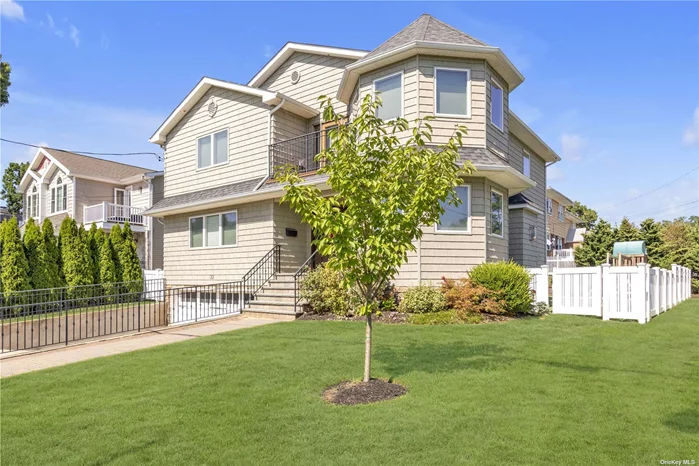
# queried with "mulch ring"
point(356, 393)
point(384, 318)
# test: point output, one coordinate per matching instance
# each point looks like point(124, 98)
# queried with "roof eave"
point(290, 47)
point(527, 135)
point(501, 63)
point(506, 176)
point(558, 196)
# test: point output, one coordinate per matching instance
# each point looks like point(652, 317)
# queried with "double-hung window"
point(59, 202)
point(457, 219)
point(32, 203)
point(452, 92)
point(549, 206)
point(496, 213)
point(212, 149)
point(526, 165)
point(390, 91)
point(497, 105)
point(210, 231)
point(560, 213)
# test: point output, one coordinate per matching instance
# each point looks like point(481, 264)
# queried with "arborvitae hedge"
point(53, 254)
point(14, 267)
point(117, 240)
point(37, 256)
point(108, 272)
point(128, 259)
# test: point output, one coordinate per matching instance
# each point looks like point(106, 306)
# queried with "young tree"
point(96, 237)
point(77, 263)
point(53, 267)
point(66, 233)
point(655, 246)
point(384, 187)
point(596, 244)
point(589, 216)
point(10, 182)
point(14, 268)
point(37, 256)
point(627, 231)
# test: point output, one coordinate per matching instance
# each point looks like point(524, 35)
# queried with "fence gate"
point(577, 291)
point(626, 291)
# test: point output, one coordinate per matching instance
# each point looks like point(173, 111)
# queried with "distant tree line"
point(75, 257)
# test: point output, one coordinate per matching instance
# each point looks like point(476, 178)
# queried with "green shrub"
point(14, 267)
point(53, 266)
point(695, 286)
point(539, 309)
point(422, 299)
point(323, 290)
point(509, 279)
point(468, 299)
point(36, 256)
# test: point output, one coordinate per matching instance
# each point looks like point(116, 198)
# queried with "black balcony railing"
point(298, 152)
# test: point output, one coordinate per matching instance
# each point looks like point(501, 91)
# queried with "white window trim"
point(116, 190)
point(228, 149)
point(493, 82)
point(468, 93)
point(52, 201)
point(549, 207)
point(220, 230)
point(402, 91)
point(502, 198)
point(470, 217)
point(527, 155)
point(35, 204)
point(561, 213)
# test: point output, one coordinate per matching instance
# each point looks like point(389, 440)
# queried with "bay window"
point(452, 92)
point(216, 230)
point(456, 219)
point(391, 93)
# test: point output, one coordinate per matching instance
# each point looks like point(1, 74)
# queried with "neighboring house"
point(562, 232)
point(4, 214)
point(223, 142)
point(61, 184)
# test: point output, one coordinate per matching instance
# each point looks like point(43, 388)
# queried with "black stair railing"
point(298, 276)
point(261, 273)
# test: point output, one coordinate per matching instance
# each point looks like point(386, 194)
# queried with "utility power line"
point(650, 192)
point(646, 214)
point(82, 152)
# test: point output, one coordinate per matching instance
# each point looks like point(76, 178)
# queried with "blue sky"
point(612, 87)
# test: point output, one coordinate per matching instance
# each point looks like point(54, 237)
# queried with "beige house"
point(61, 184)
point(221, 208)
point(562, 230)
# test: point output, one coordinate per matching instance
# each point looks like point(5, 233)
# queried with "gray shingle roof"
point(204, 195)
point(520, 199)
point(425, 28)
point(480, 155)
point(83, 165)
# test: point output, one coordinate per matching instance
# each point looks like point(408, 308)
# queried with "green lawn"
point(559, 390)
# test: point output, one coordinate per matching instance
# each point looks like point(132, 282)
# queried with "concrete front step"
point(280, 314)
point(277, 295)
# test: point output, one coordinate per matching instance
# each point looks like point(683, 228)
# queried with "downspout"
point(150, 223)
point(269, 142)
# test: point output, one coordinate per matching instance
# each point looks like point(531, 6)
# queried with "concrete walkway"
point(16, 363)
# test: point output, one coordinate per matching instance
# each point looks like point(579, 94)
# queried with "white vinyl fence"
point(631, 293)
point(154, 284)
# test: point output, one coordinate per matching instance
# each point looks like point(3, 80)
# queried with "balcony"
point(561, 258)
point(298, 152)
point(106, 212)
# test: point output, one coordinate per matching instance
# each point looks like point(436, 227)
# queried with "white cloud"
point(691, 134)
point(553, 173)
point(269, 51)
point(572, 146)
point(11, 10)
point(51, 25)
point(104, 41)
point(75, 35)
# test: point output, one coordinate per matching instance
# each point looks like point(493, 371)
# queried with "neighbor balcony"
point(298, 152)
point(107, 214)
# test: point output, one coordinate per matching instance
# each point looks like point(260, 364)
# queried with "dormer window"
point(497, 107)
point(212, 149)
point(391, 93)
point(452, 92)
point(59, 197)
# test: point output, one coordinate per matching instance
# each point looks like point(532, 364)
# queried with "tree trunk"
point(367, 350)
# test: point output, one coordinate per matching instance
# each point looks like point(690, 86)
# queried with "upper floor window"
point(59, 197)
point(526, 165)
point(391, 90)
point(452, 92)
point(549, 206)
point(457, 219)
point(496, 213)
point(212, 231)
point(560, 213)
point(497, 105)
point(33, 203)
point(212, 149)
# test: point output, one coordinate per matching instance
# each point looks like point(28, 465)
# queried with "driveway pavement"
point(17, 363)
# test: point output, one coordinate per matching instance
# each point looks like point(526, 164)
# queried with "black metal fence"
point(36, 318)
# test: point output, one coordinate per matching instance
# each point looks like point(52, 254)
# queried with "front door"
point(121, 199)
